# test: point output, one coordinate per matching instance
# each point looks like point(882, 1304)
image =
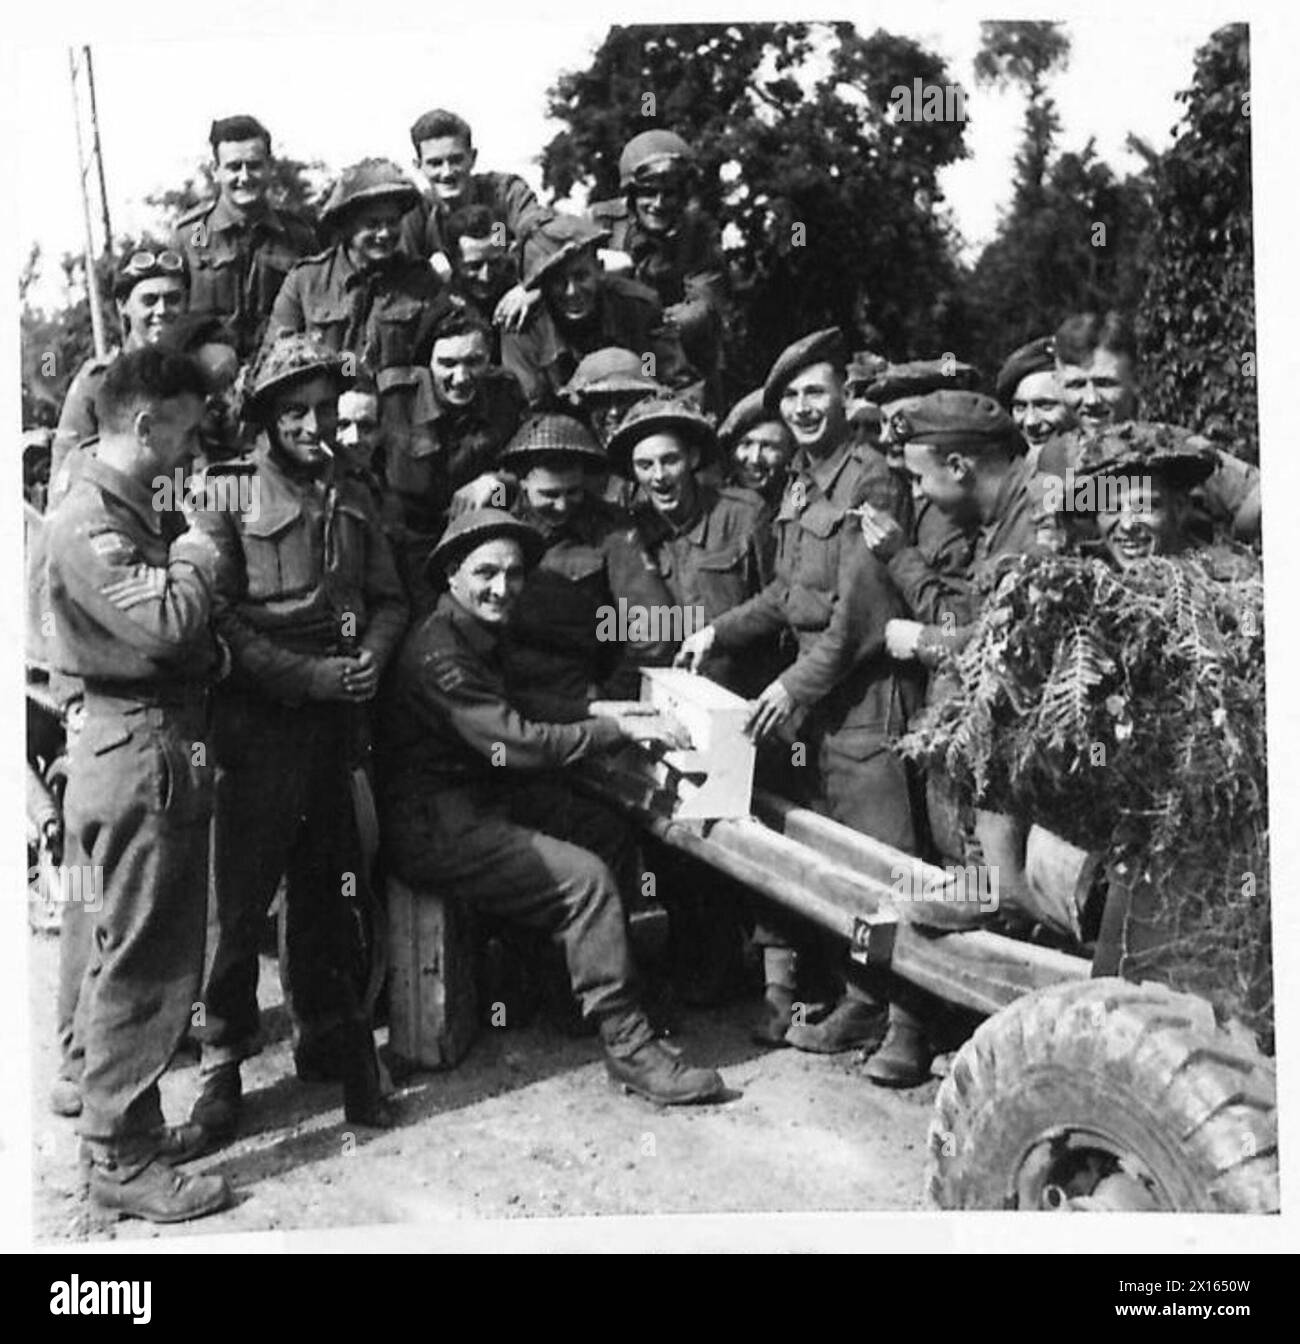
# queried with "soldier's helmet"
point(669, 413)
point(654, 156)
point(612, 371)
point(1176, 455)
point(548, 437)
point(369, 180)
point(286, 360)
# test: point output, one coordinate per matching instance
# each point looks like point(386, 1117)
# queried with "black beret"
point(818, 347)
point(1035, 357)
point(948, 417)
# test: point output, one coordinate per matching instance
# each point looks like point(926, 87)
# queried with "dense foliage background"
point(832, 211)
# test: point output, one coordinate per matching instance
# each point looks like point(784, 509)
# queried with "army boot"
point(364, 1102)
point(217, 1108)
point(904, 1058)
point(152, 1189)
point(856, 1021)
point(656, 1073)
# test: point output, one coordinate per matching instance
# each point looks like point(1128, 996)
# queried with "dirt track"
point(527, 1126)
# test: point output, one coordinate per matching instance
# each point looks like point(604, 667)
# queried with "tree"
point(1025, 53)
point(55, 344)
point(1071, 237)
point(831, 208)
point(1196, 323)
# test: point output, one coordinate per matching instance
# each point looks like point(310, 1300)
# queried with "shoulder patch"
point(445, 671)
point(113, 547)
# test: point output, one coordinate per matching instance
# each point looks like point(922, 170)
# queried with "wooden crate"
point(433, 1009)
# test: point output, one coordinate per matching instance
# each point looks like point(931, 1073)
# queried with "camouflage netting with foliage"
point(1124, 710)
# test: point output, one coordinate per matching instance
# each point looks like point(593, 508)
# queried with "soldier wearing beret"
point(962, 451)
point(312, 608)
point(364, 300)
point(758, 447)
point(842, 694)
point(1028, 386)
point(1097, 366)
point(239, 247)
point(150, 289)
point(928, 551)
point(583, 310)
point(477, 806)
point(130, 590)
point(669, 244)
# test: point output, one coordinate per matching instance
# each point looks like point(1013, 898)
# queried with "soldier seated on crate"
point(476, 806)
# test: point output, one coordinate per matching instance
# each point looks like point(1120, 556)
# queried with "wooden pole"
point(92, 286)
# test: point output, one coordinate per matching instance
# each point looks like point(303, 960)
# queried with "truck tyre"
point(1106, 1095)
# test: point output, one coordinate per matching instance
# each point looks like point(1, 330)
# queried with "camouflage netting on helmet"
point(1124, 710)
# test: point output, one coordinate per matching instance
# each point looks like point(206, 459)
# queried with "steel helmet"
point(653, 154)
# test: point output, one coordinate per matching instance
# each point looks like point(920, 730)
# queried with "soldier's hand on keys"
point(330, 679)
point(514, 306)
point(901, 638)
point(695, 649)
point(772, 708)
point(882, 534)
point(655, 730)
point(361, 681)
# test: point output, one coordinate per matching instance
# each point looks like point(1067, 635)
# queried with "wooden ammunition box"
point(433, 1010)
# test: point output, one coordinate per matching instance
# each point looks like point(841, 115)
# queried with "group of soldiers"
point(422, 466)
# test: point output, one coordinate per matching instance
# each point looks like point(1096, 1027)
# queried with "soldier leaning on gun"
point(130, 593)
point(312, 609)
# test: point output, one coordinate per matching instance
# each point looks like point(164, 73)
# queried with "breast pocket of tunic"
point(214, 283)
point(279, 556)
point(818, 541)
point(327, 321)
point(394, 329)
point(721, 581)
